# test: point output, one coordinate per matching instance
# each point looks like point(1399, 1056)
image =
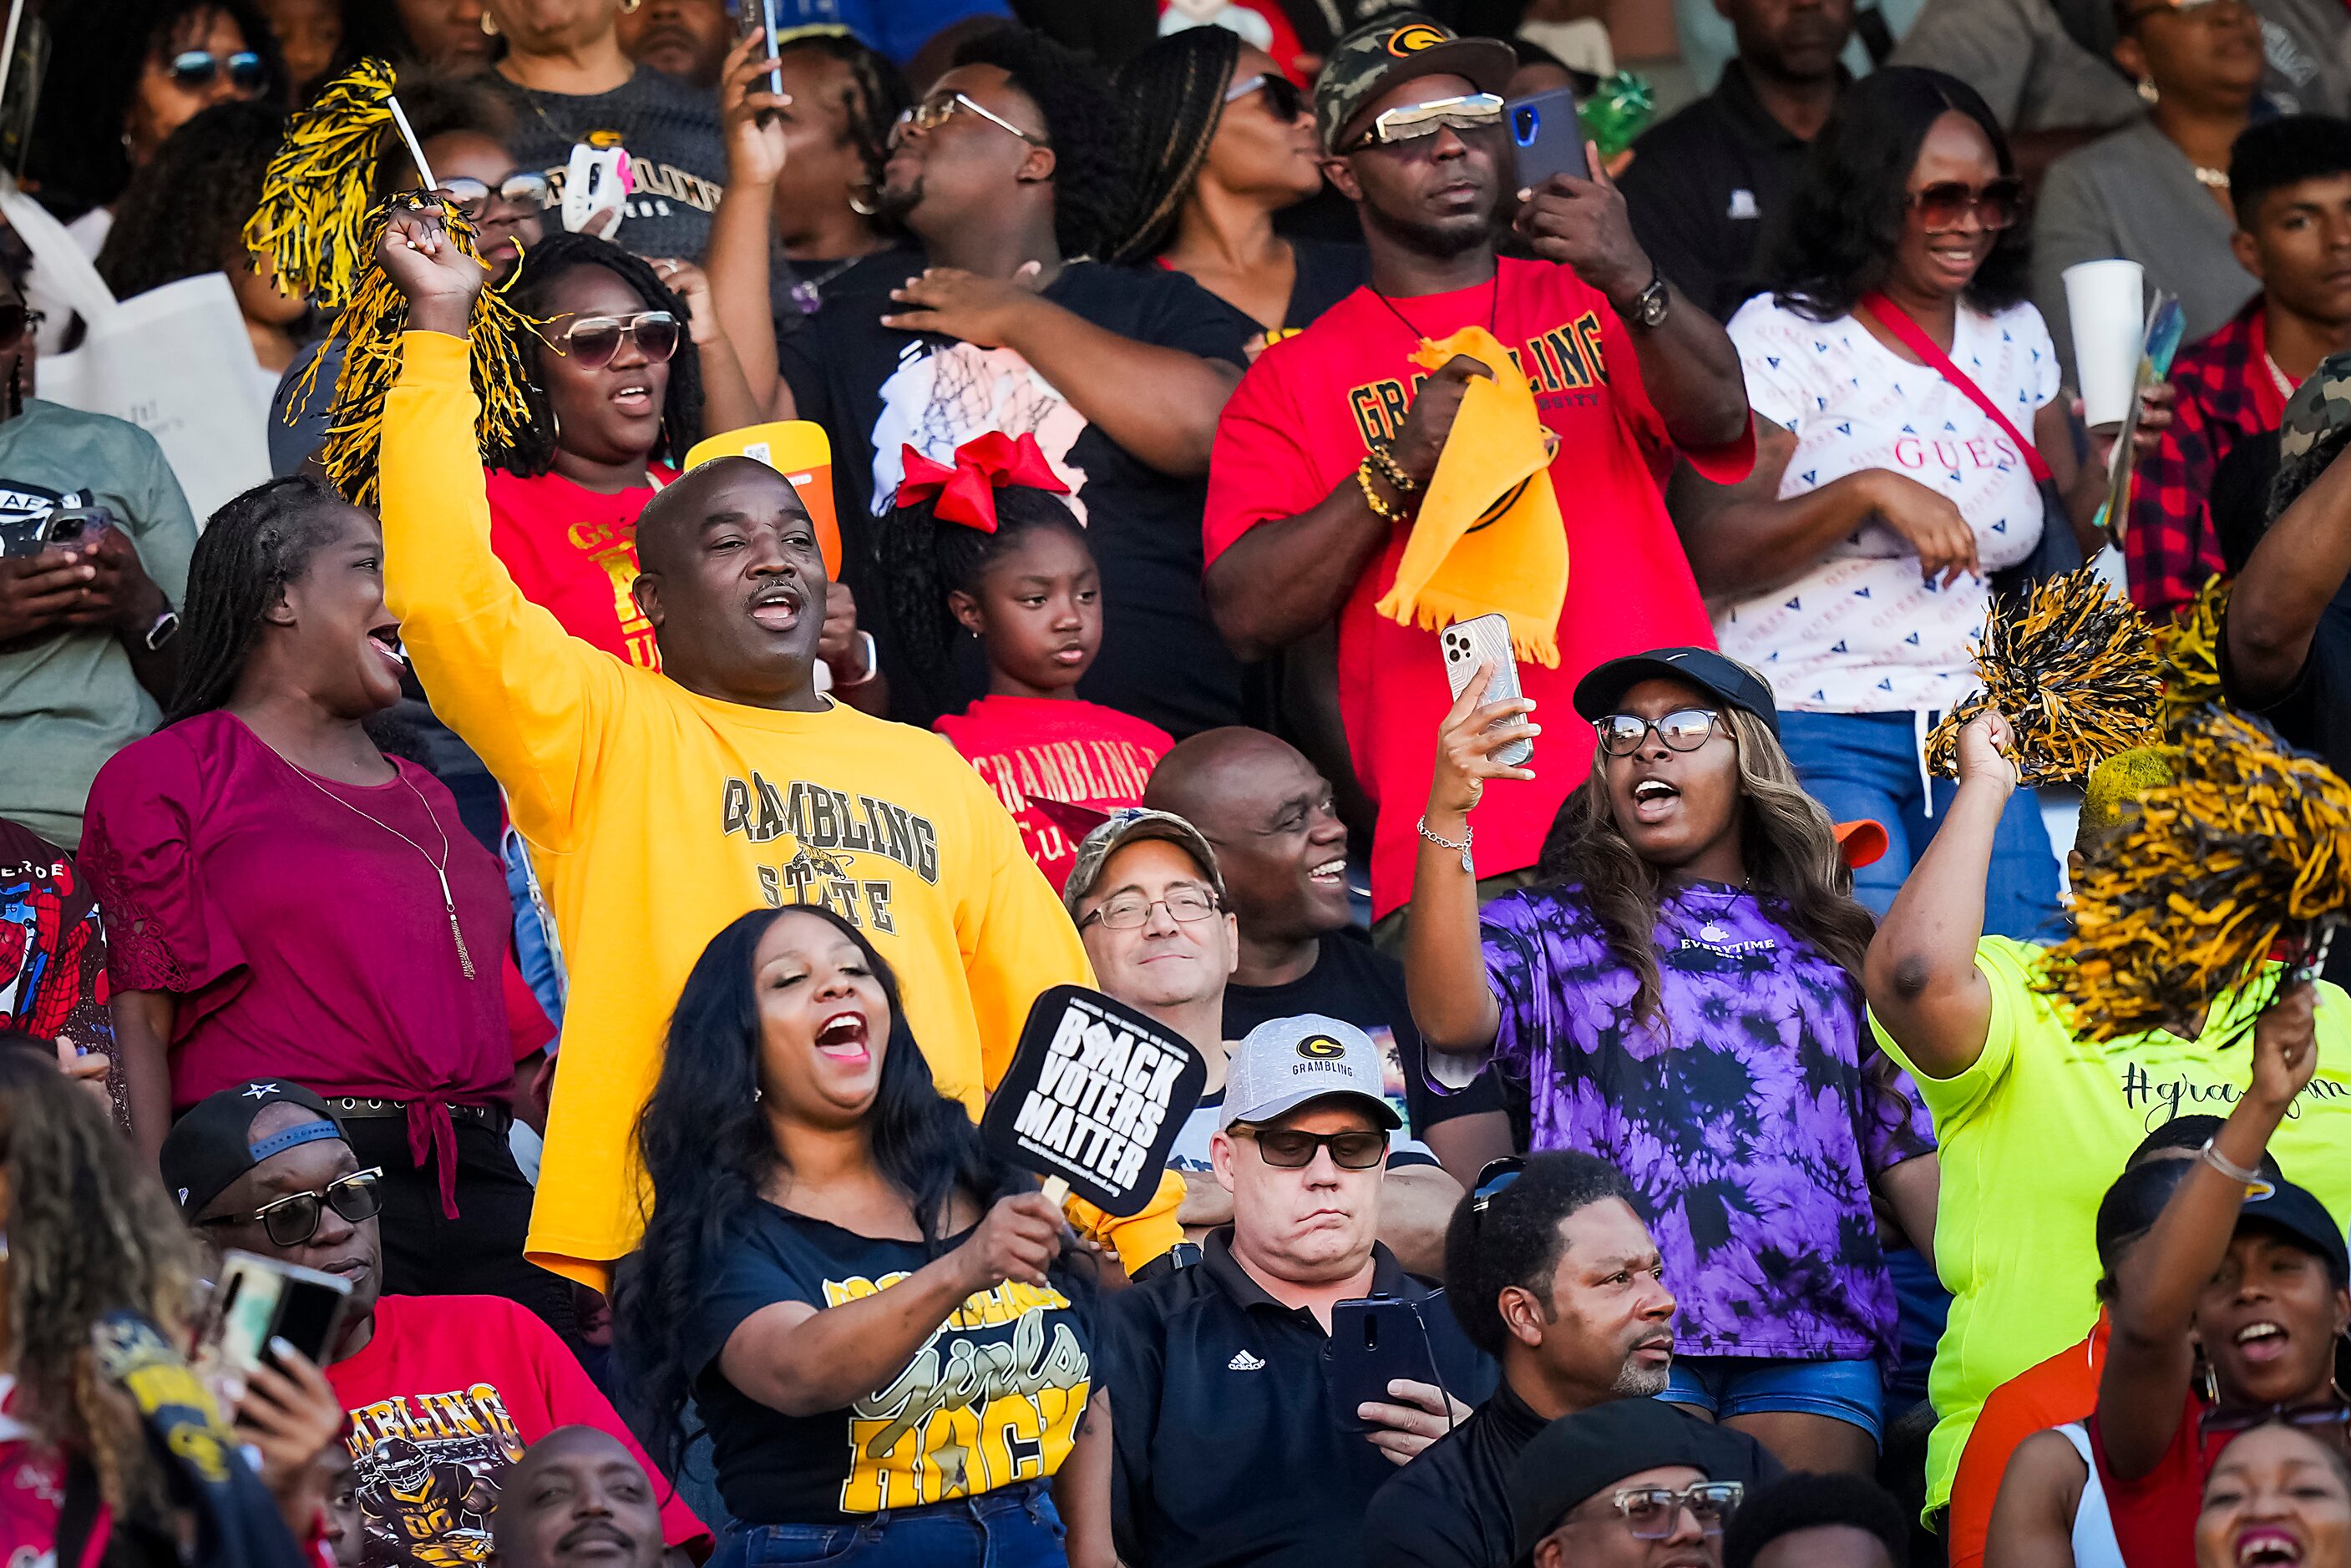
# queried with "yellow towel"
point(1488, 535)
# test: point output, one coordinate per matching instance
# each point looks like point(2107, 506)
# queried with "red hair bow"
point(983, 465)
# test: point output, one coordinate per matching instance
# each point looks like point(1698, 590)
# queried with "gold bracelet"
point(1383, 454)
point(1380, 508)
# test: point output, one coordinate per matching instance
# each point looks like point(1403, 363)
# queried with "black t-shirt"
point(671, 133)
point(1356, 984)
point(798, 290)
point(936, 1430)
point(878, 390)
point(1328, 272)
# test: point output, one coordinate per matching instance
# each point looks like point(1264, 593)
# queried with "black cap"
point(2290, 1209)
point(1581, 1456)
point(1400, 45)
point(1597, 694)
point(213, 1144)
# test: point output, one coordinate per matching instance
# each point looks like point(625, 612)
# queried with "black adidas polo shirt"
point(1227, 1450)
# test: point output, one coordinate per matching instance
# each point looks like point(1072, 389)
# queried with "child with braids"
point(984, 548)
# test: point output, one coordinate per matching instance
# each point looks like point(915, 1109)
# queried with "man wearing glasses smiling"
point(1631, 1484)
point(453, 1386)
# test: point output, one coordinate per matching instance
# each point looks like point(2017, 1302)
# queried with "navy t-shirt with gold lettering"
point(962, 1418)
point(671, 133)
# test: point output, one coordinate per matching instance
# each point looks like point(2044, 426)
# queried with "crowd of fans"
point(573, 909)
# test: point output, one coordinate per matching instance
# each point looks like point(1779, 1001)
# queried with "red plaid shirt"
point(2225, 391)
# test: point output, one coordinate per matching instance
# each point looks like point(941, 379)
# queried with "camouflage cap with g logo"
point(2319, 405)
point(1398, 46)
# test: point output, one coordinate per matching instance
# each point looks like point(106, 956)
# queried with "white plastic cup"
point(2106, 303)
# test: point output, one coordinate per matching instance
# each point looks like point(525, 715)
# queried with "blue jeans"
point(1011, 1527)
point(1866, 764)
point(1726, 1386)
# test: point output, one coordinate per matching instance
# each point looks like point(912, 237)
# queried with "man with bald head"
point(659, 805)
point(1283, 851)
point(578, 1496)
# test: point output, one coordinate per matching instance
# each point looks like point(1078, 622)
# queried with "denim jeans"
point(1866, 764)
point(1011, 1527)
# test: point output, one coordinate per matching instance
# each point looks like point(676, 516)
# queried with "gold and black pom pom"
point(2244, 855)
point(2187, 651)
point(2072, 667)
point(319, 191)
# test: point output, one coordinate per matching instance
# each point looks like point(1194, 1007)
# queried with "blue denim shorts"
point(1011, 1527)
point(1726, 1386)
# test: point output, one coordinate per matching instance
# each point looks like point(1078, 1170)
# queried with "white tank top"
point(2093, 1528)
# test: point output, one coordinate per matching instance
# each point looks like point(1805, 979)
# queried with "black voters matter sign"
point(1095, 1096)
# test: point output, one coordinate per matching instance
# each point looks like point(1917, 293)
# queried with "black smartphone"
point(752, 15)
point(261, 1300)
point(62, 527)
point(1373, 1341)
point(1546, 137)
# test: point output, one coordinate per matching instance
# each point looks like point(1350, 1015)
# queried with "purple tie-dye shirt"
point(1750, 1126)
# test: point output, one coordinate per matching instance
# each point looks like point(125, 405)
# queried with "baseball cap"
point(213, 1144)
point(1285, 1062)
point(1597, 694)
point(1398, 46)
point(2302, 1218)
point(1131, 824)
point(2320, 406)
point(1579, 1455)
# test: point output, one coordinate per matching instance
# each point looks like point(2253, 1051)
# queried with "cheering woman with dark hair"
point(984, 548)
point(1897, 350)
point(284, 901)
point(830, 1257)
point(1680, 994)
point(1223, 142)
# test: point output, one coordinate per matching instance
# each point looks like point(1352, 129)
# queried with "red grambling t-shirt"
point(1061, 749)
point(1300, 422)
point(574, 550)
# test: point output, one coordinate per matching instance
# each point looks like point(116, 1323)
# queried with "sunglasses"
point(16, 320)
point(1129, 911)
point(2244, 1418)
point(1409, 122)
point(1997, 203)
point(1492, 1181)
point(1684, 730)
point(593, 340)
point(522, 188)
point(1651, 1512)
point(196, 69)
point(1282, 98)
point(1286, 1148)
point(293, 1219)
point(929, 115)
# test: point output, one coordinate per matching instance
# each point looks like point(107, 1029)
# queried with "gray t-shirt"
point(671, 132)
point(68, 701)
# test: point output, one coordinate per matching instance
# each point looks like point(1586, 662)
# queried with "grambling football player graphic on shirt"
point(426, 1471)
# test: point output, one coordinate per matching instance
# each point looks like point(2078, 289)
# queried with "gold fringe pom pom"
point(369, 329)
point(316, 199)
point(2250, 845)
point(2072, 668)
point(2187, 651)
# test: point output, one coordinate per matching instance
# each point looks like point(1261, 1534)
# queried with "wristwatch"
point(1649, 304)
point(166, 627)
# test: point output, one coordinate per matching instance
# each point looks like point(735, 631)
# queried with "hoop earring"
point(489, 25)
point(2148, 93)
point(629, 7)
point(863, 209)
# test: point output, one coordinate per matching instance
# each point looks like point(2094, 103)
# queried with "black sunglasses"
point(1997, 203)
point(293, 1219)
point(593, 340)
point(1287, 1149)
point(1282, 98)
point(196, 69)
point(1684, 730)
point(2245, 1418)
point(1492, 1181)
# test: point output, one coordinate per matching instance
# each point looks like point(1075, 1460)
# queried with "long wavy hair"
point(1845, 217)
point(1786, 840)
point(709, 1157)
point(90, 1233)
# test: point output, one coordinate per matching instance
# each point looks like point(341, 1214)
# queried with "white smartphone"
point(596, 186)
point(1484, 639)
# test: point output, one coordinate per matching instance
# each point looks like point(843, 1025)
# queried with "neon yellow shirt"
point(655, 816)
point(2034, 1133)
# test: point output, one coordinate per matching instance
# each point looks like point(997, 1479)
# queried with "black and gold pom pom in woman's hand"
point(312, 225)
point(2187, 651)
point(2072, 668)
point(2245, 855)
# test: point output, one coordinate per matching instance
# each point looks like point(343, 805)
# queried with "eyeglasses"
point(1684, 730)
point(593, 340)
point(1129, 911)
point(1469, 111)
point(1282, 98)
point(196, 69)
point(1493, 1180)
point(16, 320)
point(523, 188)
point(1652, 1512)
point(1286, 1148)
point(930, 114)
point(2244, 1418)
point(293, 1219)
point(1997, 203)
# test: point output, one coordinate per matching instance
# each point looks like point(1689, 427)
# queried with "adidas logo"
point(1243, 1361)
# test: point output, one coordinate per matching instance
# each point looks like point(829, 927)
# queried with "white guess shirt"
point(1861, 632)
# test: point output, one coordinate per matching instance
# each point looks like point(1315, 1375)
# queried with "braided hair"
point(251, 550)
point(534, 449)
point(923, 558)
point(184, 213)
point(1174, 96)
point(877, 93)
point(1093, 182)
point(89, 1233)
